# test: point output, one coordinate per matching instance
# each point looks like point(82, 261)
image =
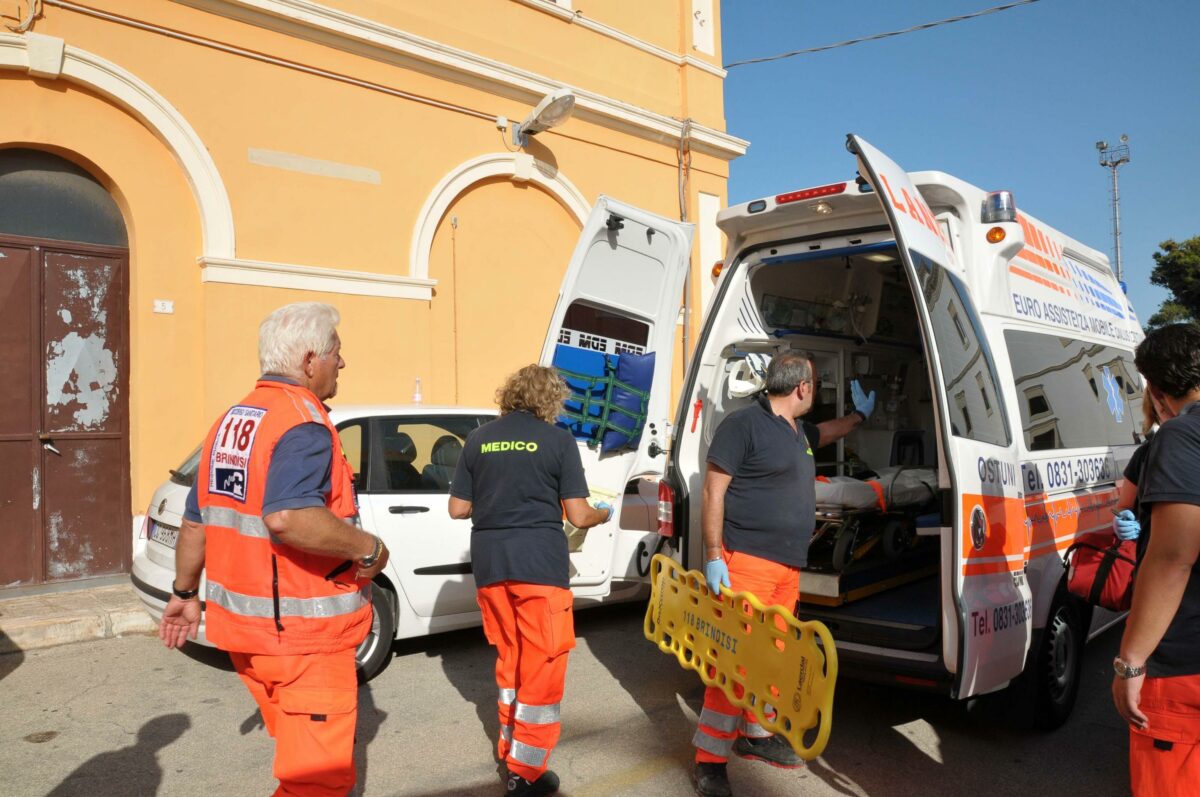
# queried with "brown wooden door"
point(73, 443)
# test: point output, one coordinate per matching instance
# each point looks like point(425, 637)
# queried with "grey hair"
point(786, 371)
point(291, 332)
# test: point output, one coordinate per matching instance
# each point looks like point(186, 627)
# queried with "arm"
point(1163, 575)
point(460, 508)
point(712, 510)
point(582, 515)
point(314, 529)
point(181, 618)
point(836, 429)
point(1126, 495)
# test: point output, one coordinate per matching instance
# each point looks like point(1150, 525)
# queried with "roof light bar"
point(810, 193)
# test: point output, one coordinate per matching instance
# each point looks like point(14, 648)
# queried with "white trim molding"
point(238, 271)
point(520, 167)
point(149, 107)
point(376, 40)
point(577, 18)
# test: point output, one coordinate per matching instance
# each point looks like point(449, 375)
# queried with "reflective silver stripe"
point(246, 525)
point(718, 721)
point(507, 696)
point(312, 411)
point(252, 606)
point(754, 730)
point(528, 754)
point(506, 733)
point(538, 715)
point(711, 744)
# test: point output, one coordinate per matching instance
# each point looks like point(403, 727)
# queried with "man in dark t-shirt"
point(757, 517)
point(1157, 684)
point(517, 476)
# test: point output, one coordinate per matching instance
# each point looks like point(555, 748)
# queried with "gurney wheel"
point(895, 538)
point(843, 550)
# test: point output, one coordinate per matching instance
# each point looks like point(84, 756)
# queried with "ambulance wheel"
point(375, 651)
point(1058, 664)
point(843, 550)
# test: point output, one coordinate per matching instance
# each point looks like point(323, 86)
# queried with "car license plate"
point(166, 535)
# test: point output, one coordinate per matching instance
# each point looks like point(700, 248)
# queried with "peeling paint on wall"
point(37, 489)
point(65, 561)
point(94, 291)
point(81, 371)
point(65, 315)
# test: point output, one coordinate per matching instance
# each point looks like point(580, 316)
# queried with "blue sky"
point(1011, 100)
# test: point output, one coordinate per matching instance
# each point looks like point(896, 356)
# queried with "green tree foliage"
point(1177, 268)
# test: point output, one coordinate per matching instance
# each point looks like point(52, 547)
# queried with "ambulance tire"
point(375, 651)
point(896, 538)
point(1057, 666)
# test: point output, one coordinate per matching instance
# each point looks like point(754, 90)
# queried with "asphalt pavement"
point(125, 716)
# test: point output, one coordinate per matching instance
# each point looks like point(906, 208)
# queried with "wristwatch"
point(184, 594)
point(1124, 670)
point(370, 559)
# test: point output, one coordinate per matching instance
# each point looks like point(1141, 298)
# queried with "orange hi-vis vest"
point(263, 596)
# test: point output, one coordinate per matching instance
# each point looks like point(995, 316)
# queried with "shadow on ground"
point(130, 770)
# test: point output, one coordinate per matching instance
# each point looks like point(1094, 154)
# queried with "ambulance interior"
point(873, 572)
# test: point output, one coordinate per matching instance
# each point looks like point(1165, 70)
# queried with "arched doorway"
point(64, 350)
point(499, 255)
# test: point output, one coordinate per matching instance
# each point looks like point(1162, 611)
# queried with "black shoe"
point(517, 786)
point(772, 749)
point(711, 780)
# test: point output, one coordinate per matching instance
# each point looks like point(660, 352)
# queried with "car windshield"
point(185, 474)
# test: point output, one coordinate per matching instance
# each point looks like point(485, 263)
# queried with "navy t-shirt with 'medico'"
point(770, 505)
point(515, 471)
point(1172, 475)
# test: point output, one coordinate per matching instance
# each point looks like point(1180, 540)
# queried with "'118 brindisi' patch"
point(229, 466)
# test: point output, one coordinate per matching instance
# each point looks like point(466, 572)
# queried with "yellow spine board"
point(737, 644)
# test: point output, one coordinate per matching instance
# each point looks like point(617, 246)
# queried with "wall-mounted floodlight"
point(554, 109)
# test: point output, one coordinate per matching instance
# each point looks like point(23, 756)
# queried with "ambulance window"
point(588, 327)
point(1075, 394)
point(965, 356)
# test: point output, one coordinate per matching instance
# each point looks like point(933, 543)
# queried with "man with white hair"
point(271, 517)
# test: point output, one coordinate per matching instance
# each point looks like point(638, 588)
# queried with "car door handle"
point(407, 510)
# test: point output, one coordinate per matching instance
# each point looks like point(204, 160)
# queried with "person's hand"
point(1126, 526)
point(180, 621)
point(716, 573)
point(862, 402)
point(377, 568)
point(1127, 694)
point(606, 507)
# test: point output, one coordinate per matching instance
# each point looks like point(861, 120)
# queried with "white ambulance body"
point(1001, 354)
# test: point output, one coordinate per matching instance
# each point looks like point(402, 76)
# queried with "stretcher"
point(761, 657)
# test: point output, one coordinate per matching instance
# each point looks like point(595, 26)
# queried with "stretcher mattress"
point(896, 487)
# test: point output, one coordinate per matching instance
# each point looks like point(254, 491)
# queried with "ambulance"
point(1000, 351)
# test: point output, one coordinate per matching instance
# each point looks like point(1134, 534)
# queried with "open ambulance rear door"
point(621, 295)
point(986, 626)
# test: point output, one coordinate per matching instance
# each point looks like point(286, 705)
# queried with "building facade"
point(170, 172)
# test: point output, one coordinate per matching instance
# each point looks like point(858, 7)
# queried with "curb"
point(42, 621)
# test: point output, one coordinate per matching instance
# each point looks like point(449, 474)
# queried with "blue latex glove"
point(1126, 525)
point(862, 402)
point(716, 573)
point(606, 506)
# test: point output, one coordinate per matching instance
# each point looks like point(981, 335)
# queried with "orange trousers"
point(721, 722)
point(309, 704)
point(1164, 759)
point(533, 629)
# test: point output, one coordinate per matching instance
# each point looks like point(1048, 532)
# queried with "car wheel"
point(1058, 664)
point(375, 651)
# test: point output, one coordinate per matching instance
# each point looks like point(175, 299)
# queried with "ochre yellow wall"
point(504, 262)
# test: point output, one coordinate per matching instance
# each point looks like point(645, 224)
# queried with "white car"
point(403, 458)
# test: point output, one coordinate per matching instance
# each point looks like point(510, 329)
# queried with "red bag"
point(1100, 570)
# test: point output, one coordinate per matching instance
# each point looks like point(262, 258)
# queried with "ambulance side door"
point(987, 627)
point(621, 294)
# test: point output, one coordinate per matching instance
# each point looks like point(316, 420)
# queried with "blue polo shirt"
point(770, 506)
point(300, 473)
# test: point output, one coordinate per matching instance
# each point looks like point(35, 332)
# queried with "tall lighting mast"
point(1112, 158)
